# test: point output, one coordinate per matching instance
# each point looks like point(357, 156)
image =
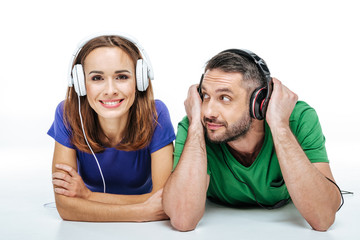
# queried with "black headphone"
point(260, 97)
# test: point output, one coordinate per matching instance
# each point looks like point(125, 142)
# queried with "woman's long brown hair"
point(142, 114)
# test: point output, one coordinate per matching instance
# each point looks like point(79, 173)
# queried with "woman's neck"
point(113, 129)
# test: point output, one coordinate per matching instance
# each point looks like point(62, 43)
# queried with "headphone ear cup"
point(79, 80)
point(142, 79)
point(257, 103)
point(139, 74)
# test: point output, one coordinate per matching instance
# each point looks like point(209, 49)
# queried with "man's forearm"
point(184, 194)
point(316, 198)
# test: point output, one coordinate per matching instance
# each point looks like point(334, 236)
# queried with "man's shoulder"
point(304, 119)
point(302, 109)
point(184, 123)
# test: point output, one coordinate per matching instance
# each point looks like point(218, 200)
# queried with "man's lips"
point(213, 126)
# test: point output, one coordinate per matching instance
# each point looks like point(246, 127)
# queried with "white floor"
point(26, 187)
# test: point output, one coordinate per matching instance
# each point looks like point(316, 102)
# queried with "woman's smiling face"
point(110, 82)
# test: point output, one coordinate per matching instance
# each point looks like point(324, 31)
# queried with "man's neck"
point(246, 149)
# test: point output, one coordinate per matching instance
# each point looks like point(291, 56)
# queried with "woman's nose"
point(110, 88)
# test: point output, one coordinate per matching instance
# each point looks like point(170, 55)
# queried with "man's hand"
point(281, 105)
point(193, 104)
point(68, 182)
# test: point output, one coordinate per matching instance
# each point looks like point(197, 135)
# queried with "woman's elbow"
point(64, 209)
point(64, 213)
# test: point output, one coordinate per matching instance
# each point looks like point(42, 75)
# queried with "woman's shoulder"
point(164, 130)
point(60, 107)
point(160, 106)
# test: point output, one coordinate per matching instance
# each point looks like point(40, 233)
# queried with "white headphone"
point(144, 70)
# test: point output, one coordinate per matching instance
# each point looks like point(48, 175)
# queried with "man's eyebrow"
point(226, 90)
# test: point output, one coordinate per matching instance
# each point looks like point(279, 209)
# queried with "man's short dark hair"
point(234, 63)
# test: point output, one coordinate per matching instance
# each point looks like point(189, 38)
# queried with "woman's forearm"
point(118, 199)
point(78, 209)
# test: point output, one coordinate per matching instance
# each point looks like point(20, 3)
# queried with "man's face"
point(225, 108)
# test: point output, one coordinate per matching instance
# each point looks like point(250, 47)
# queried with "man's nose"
point(210, 109)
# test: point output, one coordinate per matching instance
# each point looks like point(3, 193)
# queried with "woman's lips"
point(114, 103)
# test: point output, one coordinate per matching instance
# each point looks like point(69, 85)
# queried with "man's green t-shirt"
point(264, 176)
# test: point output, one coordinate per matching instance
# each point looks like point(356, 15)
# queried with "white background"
point(311, 46)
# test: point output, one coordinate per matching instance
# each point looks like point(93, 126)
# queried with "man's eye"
point(205, 96)
point(225, 98)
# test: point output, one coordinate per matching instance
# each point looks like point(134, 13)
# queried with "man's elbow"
point(323, 224)
point(184, 219)
point(183, 223)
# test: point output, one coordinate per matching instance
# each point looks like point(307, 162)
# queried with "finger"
point(276, 84)
point(192, 89)
point(61, 176)
point(64, 192)
point(163, 216)
point(159, 192)
point(67, 168)
point(275, 80)
point(61, 183)
point(195, 87)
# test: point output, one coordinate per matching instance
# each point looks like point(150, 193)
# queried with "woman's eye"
point(205, 96)
point(96, 78)
point(122, 77)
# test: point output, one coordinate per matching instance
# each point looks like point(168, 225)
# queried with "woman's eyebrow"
point(101, 72)
point(122, 71)
point(96, 72)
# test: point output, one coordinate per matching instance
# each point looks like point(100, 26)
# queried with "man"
point(226, 152)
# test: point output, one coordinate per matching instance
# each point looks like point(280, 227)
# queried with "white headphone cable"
point(82, 126)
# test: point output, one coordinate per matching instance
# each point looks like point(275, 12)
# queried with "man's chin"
point(214, 138)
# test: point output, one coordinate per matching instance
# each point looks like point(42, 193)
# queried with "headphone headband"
point(260, 63)
point(142, 51)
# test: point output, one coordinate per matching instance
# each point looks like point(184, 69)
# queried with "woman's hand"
point(68, 182)
point(153, 207)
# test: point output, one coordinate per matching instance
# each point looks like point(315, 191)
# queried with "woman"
point(113, 141)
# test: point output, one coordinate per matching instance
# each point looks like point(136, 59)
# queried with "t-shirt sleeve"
point(58, 129)
point(181, 136)
point(164, 130)
point(309, 134)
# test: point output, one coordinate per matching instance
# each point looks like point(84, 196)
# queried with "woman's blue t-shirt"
point(125, 172)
